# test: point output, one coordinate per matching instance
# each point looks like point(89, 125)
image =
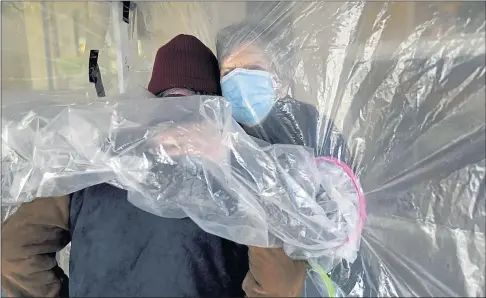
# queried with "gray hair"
point(272, 43)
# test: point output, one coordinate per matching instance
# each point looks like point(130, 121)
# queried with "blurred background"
point(45, 45)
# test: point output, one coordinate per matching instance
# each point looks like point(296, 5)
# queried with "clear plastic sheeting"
point(398, 94)
point(180, 157)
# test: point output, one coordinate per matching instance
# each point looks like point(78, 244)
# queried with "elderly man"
point(120, 250)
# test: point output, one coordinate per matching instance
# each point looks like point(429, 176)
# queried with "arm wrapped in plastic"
point(181, 157)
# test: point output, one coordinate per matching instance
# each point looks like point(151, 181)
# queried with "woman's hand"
point(273, 274)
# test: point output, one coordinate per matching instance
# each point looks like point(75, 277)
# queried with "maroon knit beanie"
point(185, 62)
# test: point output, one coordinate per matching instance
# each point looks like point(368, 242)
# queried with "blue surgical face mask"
point(251, 94)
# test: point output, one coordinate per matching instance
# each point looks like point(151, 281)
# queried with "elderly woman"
point(256, 76)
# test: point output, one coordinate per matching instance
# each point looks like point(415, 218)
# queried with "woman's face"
point(247, 56)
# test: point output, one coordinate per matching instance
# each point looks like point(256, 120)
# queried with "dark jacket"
point(146, 255)
point(117, 250)
point(294, 122)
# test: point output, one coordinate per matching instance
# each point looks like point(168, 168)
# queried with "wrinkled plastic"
point(180, 157)
point(403, 82)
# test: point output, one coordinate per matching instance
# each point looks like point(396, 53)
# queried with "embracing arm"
point(31, 237)
point(273, 274)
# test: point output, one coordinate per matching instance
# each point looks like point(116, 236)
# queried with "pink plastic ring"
point(357, 186)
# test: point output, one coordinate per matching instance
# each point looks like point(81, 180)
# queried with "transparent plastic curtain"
point(45, 56)
point(186, 157)
point(46, 53)
point(46, 50)
point(404, 84)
